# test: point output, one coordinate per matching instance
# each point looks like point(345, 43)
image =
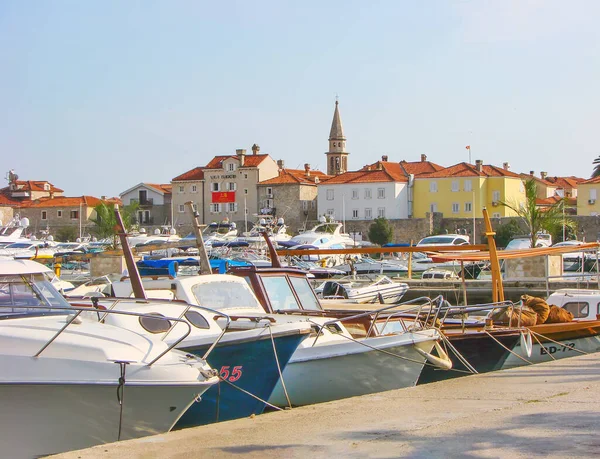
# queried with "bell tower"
point(337, 157)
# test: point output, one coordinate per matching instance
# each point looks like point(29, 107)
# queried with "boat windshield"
point(305, 293)
point(24, 295)
point(280, 293)
point(221, 295)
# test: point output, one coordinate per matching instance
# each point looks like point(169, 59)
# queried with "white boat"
point(367, 265)
point(219, 232)
point(363, 361)
point(69, 383)
point(275, 229)
point(324, 235)
point(362, 289)
point(13, 231)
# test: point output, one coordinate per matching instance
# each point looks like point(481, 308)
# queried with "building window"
point(355, 194)
point(380, 193)
point(231, 167)
point(455, 207)
point(496, 215)
point(245, 176)
point(74, 214)
point(194, 189)
point(269, 190)
point(367, 193)
point(59, 213)
point(181, 208)
point(522, 187)
point(468, 185)
point(330, 212)
point(216, 186)
point(433, 187)
point(433, 207)
point(215, 208)
point(245, 190)
point(44, 215)
point(330, 195)
point(454, 185)
point(368, 214)
point(313, 204)
point(232, 186)
point(468, 207)
point(355, 213)
point(304, 205)
point(232, 207)
point(381, 212)
point(593, 194)
point(181, 188)
point(495, 196)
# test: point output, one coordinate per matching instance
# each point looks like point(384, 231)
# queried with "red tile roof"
point(7, 200)
point(296, 176)
point(554, 199)
point(565, 182)
point(593, 180)
point(420, 167)
point(196, 173)
point(249, 161)
point(35, 185)
point(470, 170)
point(381, 171)
point(162, 187)
point(64, 201)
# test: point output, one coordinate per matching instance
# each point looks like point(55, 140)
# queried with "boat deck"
point(547, 410)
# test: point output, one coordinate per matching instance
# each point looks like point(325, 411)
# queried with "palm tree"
point(538, 219)
point(596, 164)
point(105, 221)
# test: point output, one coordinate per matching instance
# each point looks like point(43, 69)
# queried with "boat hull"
point(583, 336)
point(42, 419)
point(359, 372)
point(479, 349)
point(250, 365)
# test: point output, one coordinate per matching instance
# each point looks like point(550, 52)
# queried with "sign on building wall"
point(223, 196)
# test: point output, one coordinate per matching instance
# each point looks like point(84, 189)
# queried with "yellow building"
point(462, 190)
point(587, 197)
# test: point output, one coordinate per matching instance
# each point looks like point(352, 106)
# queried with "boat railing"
point(446, 310)
point(415, 314)
point(186, 309)
point(76, 311)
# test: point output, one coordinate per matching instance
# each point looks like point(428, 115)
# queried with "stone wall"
point(6, 214)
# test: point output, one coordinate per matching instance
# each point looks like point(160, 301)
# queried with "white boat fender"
point(526, 343)
point(441, 361)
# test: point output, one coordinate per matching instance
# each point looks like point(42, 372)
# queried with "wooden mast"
point(134, 274)
point(203, 262)
point(497, 287)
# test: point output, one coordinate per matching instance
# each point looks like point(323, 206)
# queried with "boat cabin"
point(583, 304)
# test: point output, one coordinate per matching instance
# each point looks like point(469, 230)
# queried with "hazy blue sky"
point(97, 96)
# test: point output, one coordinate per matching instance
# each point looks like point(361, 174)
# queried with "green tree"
point(506, 231)
point(538, 219)
point(380, 231)
point(105, 221)
point(67, 234)
point(596, 171)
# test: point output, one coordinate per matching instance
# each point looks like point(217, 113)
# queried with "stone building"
point(154, 203)
point(223, 188)
point(49, 215)
point(291, 195)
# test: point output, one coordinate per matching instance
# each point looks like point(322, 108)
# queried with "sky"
point(98, 96)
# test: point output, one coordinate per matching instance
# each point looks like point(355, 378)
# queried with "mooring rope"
point(121, 394)
point(250, 394)
point(509, 350)
point(287, 397)
point(560, 344)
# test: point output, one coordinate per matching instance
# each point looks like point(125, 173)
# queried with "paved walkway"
point(547, 410)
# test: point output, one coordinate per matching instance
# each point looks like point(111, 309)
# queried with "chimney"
point(103, 198)
point(241, 154)
point(255, 149)
point(307, 169)
point(479, 165)
point(531, 173)
point(51, 194)
point(280, 164)
point(543, 175)
point(423, 158)
point(384, 158)
point(506, 166)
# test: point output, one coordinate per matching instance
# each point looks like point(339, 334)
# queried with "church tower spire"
point(337, 157)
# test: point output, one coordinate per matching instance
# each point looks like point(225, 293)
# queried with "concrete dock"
point(546, 410)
